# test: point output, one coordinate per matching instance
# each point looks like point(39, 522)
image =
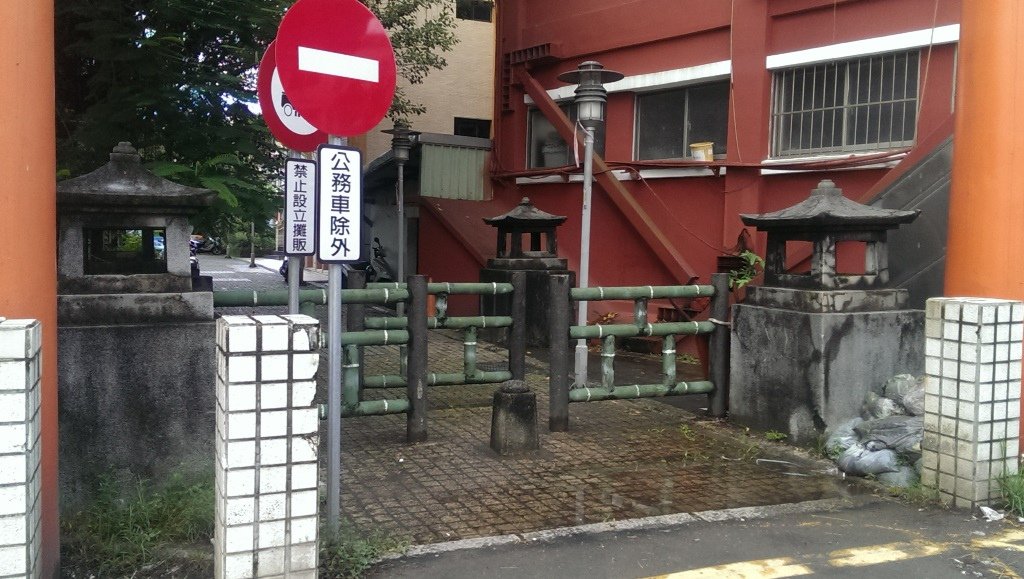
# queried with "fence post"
point(718, 365)
point(416, 370)
point(20, 384)
point(561, 313)
point(517, 334)
point(267, 521)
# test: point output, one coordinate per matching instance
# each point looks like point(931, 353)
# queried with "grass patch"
point(917, 494)
point(1011, 485)
point(775, 436)
point(686, 431)
point(349, 554)
point(119, 534)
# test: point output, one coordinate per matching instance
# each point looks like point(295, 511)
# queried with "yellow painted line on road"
point(764, 568)
point(1011, 539)
point(877, 554)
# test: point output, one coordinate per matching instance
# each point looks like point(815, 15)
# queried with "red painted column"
point(986, 205)
point(748, 114)
point(28, 239)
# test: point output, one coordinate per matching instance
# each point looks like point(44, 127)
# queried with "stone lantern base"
point(803, 361)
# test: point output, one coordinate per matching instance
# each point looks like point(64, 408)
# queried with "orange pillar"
point(28, 239)
point(986, 201)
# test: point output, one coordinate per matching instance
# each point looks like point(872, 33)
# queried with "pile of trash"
point(885, 440)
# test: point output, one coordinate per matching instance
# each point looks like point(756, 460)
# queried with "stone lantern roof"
point(825, 219)
point(124, 186)
point(525, 214)
point(827, 209)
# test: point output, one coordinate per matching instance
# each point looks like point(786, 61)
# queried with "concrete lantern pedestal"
point(807, 347)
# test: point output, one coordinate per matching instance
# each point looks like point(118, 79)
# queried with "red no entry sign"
point(281, 116)
point(336, 64)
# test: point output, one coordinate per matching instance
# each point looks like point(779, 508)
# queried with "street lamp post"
point(591, 98)
point(401, 144)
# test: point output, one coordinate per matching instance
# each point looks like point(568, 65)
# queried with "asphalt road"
point(869, 538)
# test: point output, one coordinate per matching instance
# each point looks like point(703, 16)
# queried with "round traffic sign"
point(337, 64)
point(281, 116)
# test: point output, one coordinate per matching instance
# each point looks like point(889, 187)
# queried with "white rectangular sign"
point(339, 203)
point(299, 206)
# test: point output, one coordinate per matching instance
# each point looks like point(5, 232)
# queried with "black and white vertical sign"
point(299, 206)
point(339, 203)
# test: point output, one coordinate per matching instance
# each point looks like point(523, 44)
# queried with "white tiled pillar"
point(266, 445)
point(19, 448)
point(972, 397)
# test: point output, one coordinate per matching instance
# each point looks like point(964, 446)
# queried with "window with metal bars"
point(862, 104)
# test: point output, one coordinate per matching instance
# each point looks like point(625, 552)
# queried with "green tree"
point(177, 78)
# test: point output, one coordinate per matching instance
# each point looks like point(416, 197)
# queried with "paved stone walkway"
point(620, 460)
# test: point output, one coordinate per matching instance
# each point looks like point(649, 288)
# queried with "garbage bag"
point(898, 386)
point(905, 477)
point(841, 437)
point(859, 460)
point(876, 406)
point(900, 433)
point(913, 401)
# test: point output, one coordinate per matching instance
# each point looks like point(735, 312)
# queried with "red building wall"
point(699, 216)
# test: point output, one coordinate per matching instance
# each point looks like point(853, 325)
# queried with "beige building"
point(459, 98)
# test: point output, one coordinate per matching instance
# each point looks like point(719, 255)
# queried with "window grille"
point(867, 103)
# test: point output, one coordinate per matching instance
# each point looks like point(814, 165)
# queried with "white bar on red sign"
point(339, 203)
point(299, 207)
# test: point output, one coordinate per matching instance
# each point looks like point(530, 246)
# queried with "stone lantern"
point(807, 347)
point(125, 230)
point(825, 219)
point(538, 258)
point(136, 369)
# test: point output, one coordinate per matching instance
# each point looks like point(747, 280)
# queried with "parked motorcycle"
point(208, 245)
point(378, 269)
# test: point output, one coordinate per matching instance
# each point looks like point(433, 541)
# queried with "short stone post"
point(267, 439)
point(972, 397)
point(19, 448)
point(514, 419)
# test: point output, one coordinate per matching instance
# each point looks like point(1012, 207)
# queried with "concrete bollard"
point(514, 419)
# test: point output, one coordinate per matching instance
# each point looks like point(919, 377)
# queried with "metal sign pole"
point(334, 363)
point(294, 265)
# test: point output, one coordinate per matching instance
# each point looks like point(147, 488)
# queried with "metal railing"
point(562, 333)
point(410, 334)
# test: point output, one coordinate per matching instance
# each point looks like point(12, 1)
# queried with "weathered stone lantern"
point(808, 347)
point(539, 259)
point(125, 230)
point(825, 219)
point(136, 369)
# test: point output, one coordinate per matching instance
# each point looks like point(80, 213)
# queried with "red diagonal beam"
point(635, 214)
